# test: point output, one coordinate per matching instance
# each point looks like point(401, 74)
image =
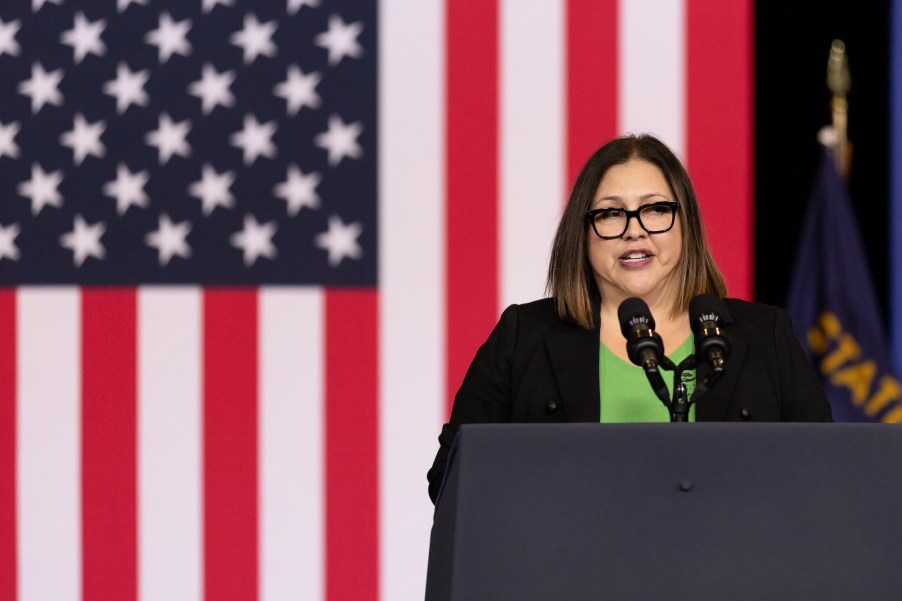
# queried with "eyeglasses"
point(612, 222)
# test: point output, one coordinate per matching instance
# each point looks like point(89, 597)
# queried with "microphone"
point(711, 342)
point(643, 345)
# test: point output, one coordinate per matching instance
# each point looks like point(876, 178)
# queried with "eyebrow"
point(643, 197)
point(620, 198)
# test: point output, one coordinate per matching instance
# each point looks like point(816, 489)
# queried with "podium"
point(670, 511)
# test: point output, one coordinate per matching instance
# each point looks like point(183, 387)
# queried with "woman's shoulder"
point(539, 307)
point(537, 315)
point(538, 311)
point(753, 314)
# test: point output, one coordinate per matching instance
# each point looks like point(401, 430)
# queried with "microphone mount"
point(646, 349)
point(679, 404)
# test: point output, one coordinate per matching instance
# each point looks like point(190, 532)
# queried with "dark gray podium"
point(670, 511)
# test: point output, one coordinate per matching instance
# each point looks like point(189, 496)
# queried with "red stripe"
point(472, 181)
point(108, 427)
point(352, 450)
point(8, 514)
point(720, 120)
point(591, 79)
point(230, 444)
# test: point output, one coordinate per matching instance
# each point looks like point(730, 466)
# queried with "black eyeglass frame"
point(674, 206)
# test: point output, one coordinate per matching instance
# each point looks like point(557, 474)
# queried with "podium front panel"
point(677, 511)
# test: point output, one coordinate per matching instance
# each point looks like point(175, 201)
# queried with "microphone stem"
point(679, 410)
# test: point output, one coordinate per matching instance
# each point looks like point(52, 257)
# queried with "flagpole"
point(840, 82)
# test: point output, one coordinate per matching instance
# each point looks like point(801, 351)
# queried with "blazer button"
point(551, 406)
point(745, 413)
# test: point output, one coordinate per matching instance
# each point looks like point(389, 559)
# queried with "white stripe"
point(170, 472)
point(531, 143)
point(49, 447)
point(652, 70)
point(411, 305)
point(291, 444)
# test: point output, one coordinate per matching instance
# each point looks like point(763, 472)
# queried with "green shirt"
point(626, 395)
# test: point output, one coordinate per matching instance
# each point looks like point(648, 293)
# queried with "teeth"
point(637, 256)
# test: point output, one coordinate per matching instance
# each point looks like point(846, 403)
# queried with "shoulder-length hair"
point(570, 278)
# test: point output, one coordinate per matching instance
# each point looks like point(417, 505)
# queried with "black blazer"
point(536, 367)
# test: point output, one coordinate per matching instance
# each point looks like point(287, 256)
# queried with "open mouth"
point(636, 256)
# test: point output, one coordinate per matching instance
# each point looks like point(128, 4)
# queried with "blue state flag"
point(834, 308)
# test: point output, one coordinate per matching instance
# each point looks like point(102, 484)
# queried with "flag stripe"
point(352, 451)
point(170, 527)
point(719, 117)
point(108, 390)
point(291, 444)
point(49, 457)
point(651, 70)
point(411, 283)
point(531, 145)
point(230, 444)
point(472, 181)
point(8, 555)
point(592, 86)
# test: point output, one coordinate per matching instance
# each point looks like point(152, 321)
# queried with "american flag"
point(248, 248)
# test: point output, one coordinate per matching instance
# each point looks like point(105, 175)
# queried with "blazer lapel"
point(574, 360)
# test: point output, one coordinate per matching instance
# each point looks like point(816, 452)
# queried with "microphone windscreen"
point(631, 311)
point(705, 307)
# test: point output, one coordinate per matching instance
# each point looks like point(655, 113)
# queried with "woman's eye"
point(656, 210)
point(608, 214)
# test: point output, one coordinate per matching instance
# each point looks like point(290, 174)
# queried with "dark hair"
point(570, 278)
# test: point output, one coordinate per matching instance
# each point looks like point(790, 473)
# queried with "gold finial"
point(840, 82)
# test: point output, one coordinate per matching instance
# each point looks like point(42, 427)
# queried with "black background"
point(792, 101)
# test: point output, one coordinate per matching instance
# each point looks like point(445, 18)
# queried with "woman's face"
point(637, 263)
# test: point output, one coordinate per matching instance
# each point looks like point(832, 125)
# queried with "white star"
point(255, 38)
point(340, 140)
point(213, 189)
point(211, 4)
point(84, 240)
point(295, 5)
point(340, 39)
point(84, 37)
point(127, 189)
point(213, 88)
point(299, 190)
point(169, 239)
point(37, 4)
point(299, 90)
point(169, 37)
point(255, 139)
point(8, 248)
point(121, 5)
point(128, 87)
point(255, 240)
point(8, 43)
point(8, 133)
point(84, 139)
point(42, 87)
point(42, 189)
point(169, 138)
point(340, 240)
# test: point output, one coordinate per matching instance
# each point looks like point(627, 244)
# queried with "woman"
point(630, 229)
